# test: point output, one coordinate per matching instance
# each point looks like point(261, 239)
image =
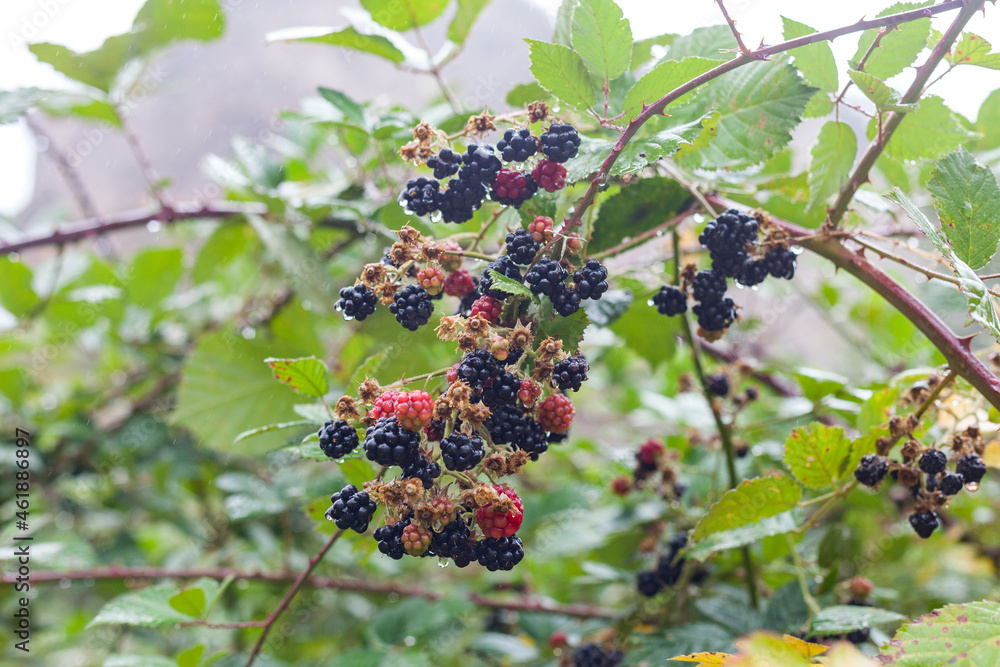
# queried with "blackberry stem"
point(724, 433)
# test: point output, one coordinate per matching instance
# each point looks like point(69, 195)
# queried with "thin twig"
point(645, 236)
point(732, 26)
point(289, 595)
point(142, 157)
point(66, 168)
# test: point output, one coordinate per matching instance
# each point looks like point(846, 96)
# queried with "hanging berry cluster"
point(504, 401)
point(731, 240)
point(925, 470)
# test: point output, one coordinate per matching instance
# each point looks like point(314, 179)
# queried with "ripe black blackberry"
point(545, 277)
point(390, 539)
point(506, 424)
point(780, 263)
point(669, 567)
point(421, 468)
point(753, 272)
point(971, 468)
point(715, 315)
point(421, 196)
point(513, 356)
point(445, 164)
point(591, 280)
point(532, 438)
point(670, 301)
point(517, 145)
point(592, 655)
point(570, 373)
point(727, 238)
point(521, 246)
point(648, 583)
point(565, 300)
point(461, 452)
point(461, 199)
point(356, 302)
point(453, 540)
point(560, 143)
point(503, 265)
point(338, 438)
point(481, 165)
point(924, 523)
point(871, 469)
point(950, 484)
point(476, 368)
point(351, 509)
point(933, 461)
point(389, 444)
point(501, 553)
point(412, 307)
point(708, 286)
point(501, 390)
point(718, 384)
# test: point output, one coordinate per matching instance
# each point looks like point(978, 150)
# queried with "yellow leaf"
point(807, 649)
point(846, 655)
point(992, 455)
point(707, 658)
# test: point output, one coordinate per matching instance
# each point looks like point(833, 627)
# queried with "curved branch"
point(331, 583)
point(762, 53)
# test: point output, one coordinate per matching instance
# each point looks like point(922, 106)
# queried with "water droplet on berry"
point(436, 216)
point(341, 460)
point(443, 562)
point(649, 302)
point(972, 487)
point(348, 318)
point(154, 226)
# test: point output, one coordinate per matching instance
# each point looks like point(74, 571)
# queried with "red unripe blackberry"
point(570, 373)
point(541, 229)
point(529, 392)
point(621, 485)
point(351, 509)
point(416, 539)
point(649, 453)
point(560, 143)
point(924, 523)
point(971, 468)
point(356, 302)
point(338, 438)
point(384, 406)
point(497, 524)
point(500, 554)
point(558, 639)
point(488, 307)
point(431, 279)
point(461, 452)
point(550, 176)
point(459, 283)
point(555, 413)
point(513, 188)
point(434, 431)
point(413, 410)
point(933, 461)
point(449, 262)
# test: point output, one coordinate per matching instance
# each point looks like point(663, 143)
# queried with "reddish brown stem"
point(732, 26)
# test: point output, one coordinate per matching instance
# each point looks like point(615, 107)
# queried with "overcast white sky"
point(84, 24)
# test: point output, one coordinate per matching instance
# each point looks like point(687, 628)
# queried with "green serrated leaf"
point(358, 470)
point(465, 17)
point(636, 209)
point(153, 275)
point(712, 42)
point(929, 131)
point(748, 503)
point(815, 61)
point(753, 533)
point(662, 79)
point(967, 200)
point(525, 93)
point(191, 657)
point(986, 123)
point(16, 293)
point(149, 607)
point(846, 618)
point(970, 630)
point(567, 329)
point(561, 71)
point(351, 110)
point(509, 285)
point(832, 158)
point(402, 15)
point(591, 155)
point(971, 49)
point(190, 602)
point(982, 307)
point(900, 45)
point(642, 50)
point(759, 104)
point(562, 32)
point(350, 37)
point(640, 153)
point(873, 88)
point(306, 375)
point(819, 456)
point(603, 38)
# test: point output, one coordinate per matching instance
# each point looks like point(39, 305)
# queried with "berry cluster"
point(654, 469)
point(668, 569)
point(925, 471)
point(731, 240)
point(479, 173)
point(592, 655)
